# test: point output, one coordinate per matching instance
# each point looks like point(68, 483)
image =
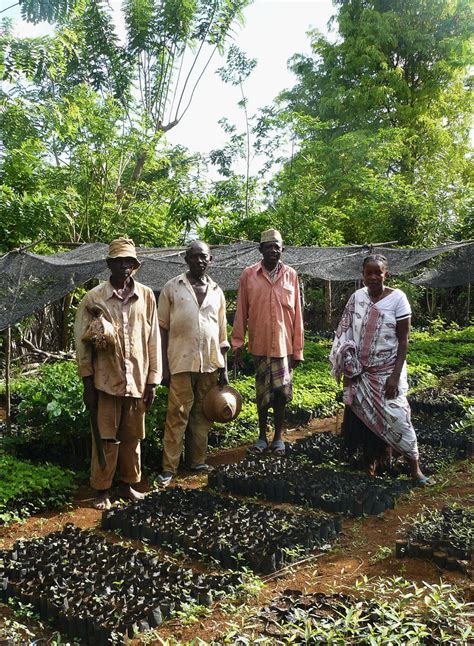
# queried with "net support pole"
point(328, 303)
point(8, 344)
point(468, 313)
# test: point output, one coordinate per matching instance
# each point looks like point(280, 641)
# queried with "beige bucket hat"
point(123, 248)
point(271, 235)
point(222, 404)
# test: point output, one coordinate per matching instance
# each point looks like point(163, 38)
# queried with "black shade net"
point(452, 270)
point(29, 281)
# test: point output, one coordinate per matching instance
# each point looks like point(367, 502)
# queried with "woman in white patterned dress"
point(369, 352)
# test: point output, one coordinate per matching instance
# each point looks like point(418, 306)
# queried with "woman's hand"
point(391, 386)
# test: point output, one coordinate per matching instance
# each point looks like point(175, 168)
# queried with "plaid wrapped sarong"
point(272, 374)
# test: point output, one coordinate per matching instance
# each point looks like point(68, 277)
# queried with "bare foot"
point(125, 491)
point(102, 501)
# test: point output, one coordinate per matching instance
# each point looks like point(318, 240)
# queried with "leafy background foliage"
point(53, 423)
point(377, 124)
point(28, 488)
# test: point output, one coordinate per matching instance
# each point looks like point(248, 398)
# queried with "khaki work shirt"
point(271, 311)
point(196, 334)
point(135, 361)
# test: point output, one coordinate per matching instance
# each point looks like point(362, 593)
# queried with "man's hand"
point(238, 358)
point(391, 387)
point(223, 377)
point(90, 395)
point(149, 396)
point(166, 378)
point(294, 363)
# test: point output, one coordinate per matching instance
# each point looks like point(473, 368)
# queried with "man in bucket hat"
point(269, 307)
point(119, 359)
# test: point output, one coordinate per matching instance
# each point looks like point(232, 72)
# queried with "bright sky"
point(273, 31)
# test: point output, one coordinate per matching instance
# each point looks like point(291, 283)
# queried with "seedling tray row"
point(288, 480)
point(445, 537)
point(318, 447)
point(436, 431)
point(100, 592)
point(325, 447)
point(232, 532)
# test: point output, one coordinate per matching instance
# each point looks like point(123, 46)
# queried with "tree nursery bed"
point(439, 449)
point(370, 614)
point(364, 549)
point(444, 536)
point(299, 482)
point(100, 592)
point(27, 488)
point(234, 533)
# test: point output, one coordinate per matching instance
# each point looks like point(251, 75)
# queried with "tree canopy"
point(376, 127)
point(381, 118)
point(84, 115)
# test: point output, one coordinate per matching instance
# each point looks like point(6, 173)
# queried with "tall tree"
point(236, 72)
point(382, 118)
point(97, 106)
point(236, 196)
point(65, 162)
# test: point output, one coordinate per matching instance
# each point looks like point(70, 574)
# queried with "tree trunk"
point(124, 195)
point(64, 338)
point(139, 165)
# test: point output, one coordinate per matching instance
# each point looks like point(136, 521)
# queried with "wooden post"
point(8, 341)
point(64, 340)
point(431, 302)
point(468, 313)
point(328, 303)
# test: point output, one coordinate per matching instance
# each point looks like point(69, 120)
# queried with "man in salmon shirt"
point(269, 307)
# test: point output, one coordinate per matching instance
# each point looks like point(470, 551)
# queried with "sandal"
point(258, 448)
point(102, 502)
point(164, 479)
point(278, 448)
point(202, 468)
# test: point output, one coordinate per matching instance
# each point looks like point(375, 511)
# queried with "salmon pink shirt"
point(271, 312)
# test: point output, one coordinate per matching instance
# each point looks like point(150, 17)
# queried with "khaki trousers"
point(121, 422)
point(185, 416)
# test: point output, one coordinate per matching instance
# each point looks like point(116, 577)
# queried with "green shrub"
point(155, 419)
point(26, 488)
point(54, 424)
point(51, 400)
point(421, 376)
point(444, 351)
point(52, 420)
